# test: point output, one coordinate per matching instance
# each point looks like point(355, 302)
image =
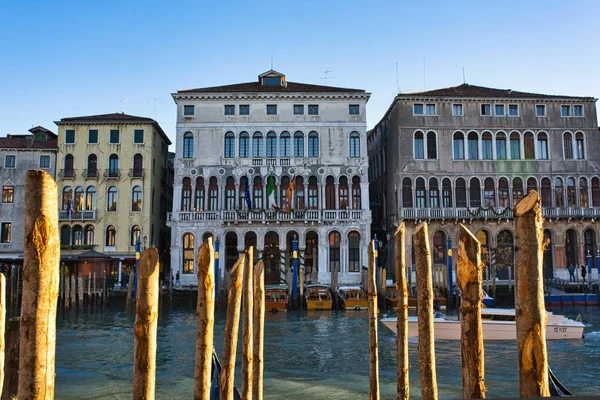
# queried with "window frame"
point(565, 107)
point(110, 134)
point(97, 136)
point(66, 136)
point(503, 110)
point(11, 189)
point(135, 132)
point(422, 109)
point(462, 110)
point(427, 105)
point(298, 109)
point(313, 108)
point(545, 113)
point(14, 158)
point(229, 109)
point(509, 114)
point(481, 105)
point(186, 108)
point(352, 107)
point(246, 108)
point(270, 107)
point(580, 106)
point(45, 156)
point(2, 238)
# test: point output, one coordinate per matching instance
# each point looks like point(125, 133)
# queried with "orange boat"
point(318, 297)
point(353, 298)
point(391, 296)
point(276, 298)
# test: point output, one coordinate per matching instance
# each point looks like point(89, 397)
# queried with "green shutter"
point(114, 136)
point(93, 136)
point(70, 136)
point(138, 136)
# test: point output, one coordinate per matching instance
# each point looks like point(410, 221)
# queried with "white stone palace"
point(235, 142)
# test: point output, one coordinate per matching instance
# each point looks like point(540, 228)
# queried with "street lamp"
point(217, 243)
point(145, 243)
point(589, 265)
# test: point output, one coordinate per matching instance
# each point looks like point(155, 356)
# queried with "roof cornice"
point(268, 95)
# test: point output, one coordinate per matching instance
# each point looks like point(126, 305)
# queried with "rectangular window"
point(513, 110)
point(430, 109)
point(457, 110)
point(313, 109)
point(8, 194)
point(271, 109)
point(298, 109)
point(138, 136)
point(565, 111)
point(486, 109)
point(578, 111)
point(313, 198)
point(418, 109)
point(353, 109)
point(540, 110)
point(5, 232)
point(499, 110)
point(70, 136)
point(244, 109)
point(229, 109)
point(10, 161)
point(93, 136)
point(114, 136)
point(44, 161)
point(419, 148)
point(188, 110)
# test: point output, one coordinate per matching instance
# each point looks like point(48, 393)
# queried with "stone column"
point(237, 196)
point(176, 198)
point(206, 195)
point(337, 195)
point(306, 191)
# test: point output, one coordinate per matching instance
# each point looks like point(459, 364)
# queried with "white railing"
point(271, 162)
point(250, 216)
point(497, 212)
point(77, 215)
point(284, 162)
point(257, 162)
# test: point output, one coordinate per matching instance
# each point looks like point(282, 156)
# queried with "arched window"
point(92, 166)
point(461, 193)
point(517, 190)
point(420, 193)
point(504, 254)
point(69, 172)
point(135, 235)
point(231, 250)
point(188, 253)
point(489, 193)
point(343, 192)
point(542, 146)
point(503, 199)
point(419, 146)
point(199, 198)
point(88, 238)
point(434, 193)
point(257, 195)
point(188, 145)
point(244, 145)
point(136, 198)
point(440, 245)
point(229, 145)
point(230, 193)
point(579, 146)
point(529, 146)
point(482, 236)
point(111, 236)
point(548, 256)
point(474, 193)
point(257, 145)
point(285, 144)
point(486, 146)
point(431, 146)
point(515, 146)
point(111, 199)
point(78, 199)
point(90, 199)
point(354, 251)
point(473, 139)
point(459, 146)
point(113, 166)
point(65, 235)
point(356, 201)
point(138, 169)
point(589, 236)
point(407, 195)
point(354, 144)
point(334, 251)
point(271, 145)
point(558, 193)
point(285, 184)
point(330, 193)
point(531, 185)
point(244, 185)
point(546, 193)
point(186, 195)
point(299, 192)
point(313, 193)
point(596, 192)
point(298, 144)
point(446, 193)
point(568, 145)
point(583, 193)
point(571, 248)
point(313, 144)
point(500, 146)
point(213, 191)
point(571, 193)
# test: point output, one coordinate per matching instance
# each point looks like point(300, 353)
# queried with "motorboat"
point(497, 324)
point(391, 296)
point(318, 297)
point(352, 298)
point(276, 298)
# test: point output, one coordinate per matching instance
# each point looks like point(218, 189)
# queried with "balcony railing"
point(77, 215)
point(498, 212)
point(112, 174)
point(136, 173)
point(66, 174)
point(249, 216)
point(90, 173)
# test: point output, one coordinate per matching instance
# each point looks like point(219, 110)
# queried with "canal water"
point(308, 355)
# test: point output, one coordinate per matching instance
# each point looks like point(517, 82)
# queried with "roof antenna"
point(144, 101)
point(156, 98)
point(327, 77)
point(464, 79)
point(123, 101)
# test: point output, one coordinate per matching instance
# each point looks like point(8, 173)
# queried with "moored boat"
point(276, 298)
point(318, 297)
point(497, 324)
point(352, 298)
point(391, 296)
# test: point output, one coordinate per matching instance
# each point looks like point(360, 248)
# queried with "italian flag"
point(271, 192)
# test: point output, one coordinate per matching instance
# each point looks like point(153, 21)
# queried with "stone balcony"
point(493, 213)
point(269, 216)
point(77, 216)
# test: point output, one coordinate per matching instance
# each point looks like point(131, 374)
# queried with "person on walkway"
point(571, 273)
point(583, 272)
point(177, 282)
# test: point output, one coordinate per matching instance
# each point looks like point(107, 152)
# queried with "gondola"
point(556, 388)
point(215, 389)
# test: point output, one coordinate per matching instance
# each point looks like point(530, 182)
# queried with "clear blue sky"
point(63, 59)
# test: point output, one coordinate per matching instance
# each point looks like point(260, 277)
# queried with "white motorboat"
point(497, 324)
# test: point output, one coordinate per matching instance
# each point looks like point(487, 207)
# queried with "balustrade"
point(249, 216)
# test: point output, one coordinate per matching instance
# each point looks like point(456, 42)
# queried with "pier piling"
point(2, 326)
point(373, 340)
point(11, 360)
point(258, 330)
point(403, 392)
point(205, 314)
point(247, 325)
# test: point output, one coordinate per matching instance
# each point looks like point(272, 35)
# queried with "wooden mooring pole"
point(427, 371)
point(41, 259)
point(146, 323)
point(247, 325)
point(403, 392)
point(205, 315)
point(258, 330)
point(11, 363)
point(469, 276)
point(373, 339)
point(232, 322)
point(529, 297)
point(2, 326)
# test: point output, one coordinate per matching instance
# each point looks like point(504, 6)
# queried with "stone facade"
point(468, 153)
point(245, 138)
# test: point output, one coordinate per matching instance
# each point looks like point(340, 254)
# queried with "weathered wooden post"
point(2, 326)
point(129, 300)
point(67, 298)
point(469, 282)
point(530, 312)
point(373, 339)
point(41, 258)
point(258, 330)
point(232, 322)
point(205, 315)
point(90, 289)
point(146, 323)
point(427, 371)
point(73, 288)
point(11, 364)
point(403, 392)
point(247, 325)
point(80, 288)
